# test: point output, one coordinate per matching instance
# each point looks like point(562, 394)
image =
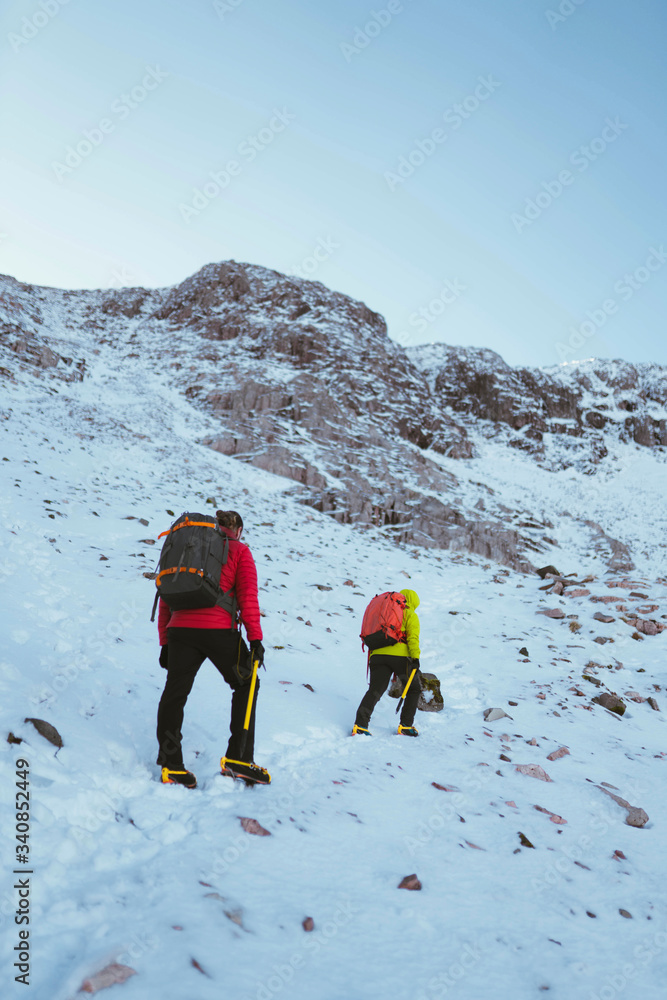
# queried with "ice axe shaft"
point(251, 697)
point(405, 690)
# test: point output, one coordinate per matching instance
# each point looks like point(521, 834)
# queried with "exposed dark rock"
point(430, 699)
point(48, 731)
point(611, 702)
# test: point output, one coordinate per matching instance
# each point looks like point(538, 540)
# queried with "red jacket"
point(239, 572)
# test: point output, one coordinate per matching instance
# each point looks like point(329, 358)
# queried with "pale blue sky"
point(482, 105)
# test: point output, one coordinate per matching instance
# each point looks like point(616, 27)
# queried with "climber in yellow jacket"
point(401, 659)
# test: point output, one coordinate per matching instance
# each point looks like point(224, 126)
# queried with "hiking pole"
point(405, 690)
point(246, 723)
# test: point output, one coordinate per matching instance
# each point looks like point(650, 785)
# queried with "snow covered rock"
point(491, 714)
point(557, 754)
point(111, 975)
point(533, 771)
point(430, 699)
point(252, 826)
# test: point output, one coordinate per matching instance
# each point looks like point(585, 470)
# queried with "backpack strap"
point(226, 599)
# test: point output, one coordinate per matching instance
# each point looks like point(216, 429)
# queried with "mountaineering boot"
point(251, 773)
point(359, 731)
point(186, 778)
point(407, 731)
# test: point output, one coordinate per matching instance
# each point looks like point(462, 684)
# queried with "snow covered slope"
point(516, 902)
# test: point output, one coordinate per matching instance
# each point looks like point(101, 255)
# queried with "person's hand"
point(257, 651)
point(414, 663)
point(164, 657)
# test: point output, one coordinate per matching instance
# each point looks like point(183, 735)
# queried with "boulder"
point(430, 699)
point(611, 702)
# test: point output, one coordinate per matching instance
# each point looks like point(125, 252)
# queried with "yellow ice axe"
point(405, 690)
point(251, 696)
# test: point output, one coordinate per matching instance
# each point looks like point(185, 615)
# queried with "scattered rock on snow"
point(611, 702)
point(13, 739)
point(546, 571)
point(252, 826)
point(600, 617)
point(491, 714)
point(108, 976)
point(410, 882)
point(533, 771)
point(635, 815)
point(524, 840)
point(308, 924)
point(445, 788)
point(554, 817)
point(557, 754)
point(195, 965)
point(523, 651)
point(48, 731)
point(626, 914)
point(552, 612)
point(654, 705)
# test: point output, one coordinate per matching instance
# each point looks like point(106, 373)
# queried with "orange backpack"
point(382, 624)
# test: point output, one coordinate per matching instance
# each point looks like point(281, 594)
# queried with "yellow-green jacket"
point(410, 627)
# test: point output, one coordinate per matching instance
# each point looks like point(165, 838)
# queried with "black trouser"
point(188, 648)
point(382, 666)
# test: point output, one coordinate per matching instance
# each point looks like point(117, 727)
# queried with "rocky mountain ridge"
point(306, 383)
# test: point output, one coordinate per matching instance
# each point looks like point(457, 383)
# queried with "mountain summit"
point(306, 383)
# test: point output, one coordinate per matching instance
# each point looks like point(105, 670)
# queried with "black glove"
point(413, 662)
point(164, 657)
point(257, 651)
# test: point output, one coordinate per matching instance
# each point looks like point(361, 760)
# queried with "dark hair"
point(229, 519)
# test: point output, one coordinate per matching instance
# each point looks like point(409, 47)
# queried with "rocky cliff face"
point(306, 383)
point(565, 415)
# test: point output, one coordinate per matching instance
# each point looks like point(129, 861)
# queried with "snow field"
point(157, 877)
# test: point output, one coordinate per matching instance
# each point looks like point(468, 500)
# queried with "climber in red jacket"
point(187, 638)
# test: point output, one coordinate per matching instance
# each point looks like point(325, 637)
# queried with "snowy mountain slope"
point(160, 878)
point(304, 382)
